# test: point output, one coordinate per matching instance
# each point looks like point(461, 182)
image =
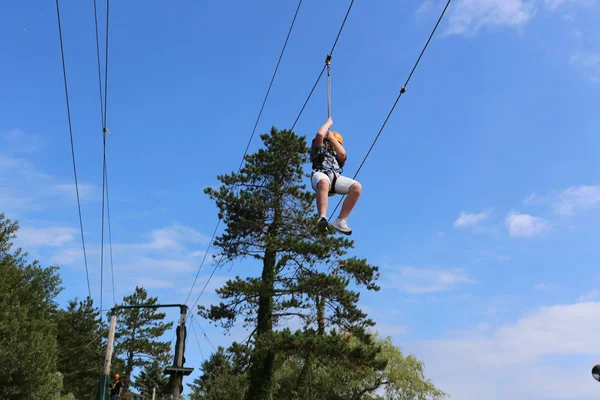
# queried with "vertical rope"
point(328, 64)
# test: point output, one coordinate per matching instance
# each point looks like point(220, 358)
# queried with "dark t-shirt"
point(116, 388)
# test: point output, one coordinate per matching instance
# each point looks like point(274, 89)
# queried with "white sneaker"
point(323, 224)
point(341, 225)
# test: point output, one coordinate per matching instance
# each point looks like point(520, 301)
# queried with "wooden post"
point(153, 393)
point(102, 393)
point(179, 361)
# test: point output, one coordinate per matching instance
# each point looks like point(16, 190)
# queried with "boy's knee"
point(356, 188)
point(323, 185)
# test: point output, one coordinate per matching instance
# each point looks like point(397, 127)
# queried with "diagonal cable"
point(62, 51)
point(298, 117)
point(249, 141)
point(402, 91)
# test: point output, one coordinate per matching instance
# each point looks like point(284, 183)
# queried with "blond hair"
point(337, 136)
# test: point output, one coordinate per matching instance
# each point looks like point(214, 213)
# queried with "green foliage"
point(152, 376)
point(220, 379)
point(28, 348)
point(269, 216)
point(137, 333)
point(395, 377)
point(80, 336)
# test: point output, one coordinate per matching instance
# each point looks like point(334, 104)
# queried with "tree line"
point(308, 280)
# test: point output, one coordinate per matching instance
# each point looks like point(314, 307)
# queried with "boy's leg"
point(351, 199)
point(320, 183)
point(352, 189)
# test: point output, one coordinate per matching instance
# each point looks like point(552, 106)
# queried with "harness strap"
point(333, 176)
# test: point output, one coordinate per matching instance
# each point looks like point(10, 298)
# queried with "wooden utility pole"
point(102, 393)
point(153, 393)
point(181, 336)
point(178, 371)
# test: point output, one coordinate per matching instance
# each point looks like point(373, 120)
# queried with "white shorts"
point(342, 183)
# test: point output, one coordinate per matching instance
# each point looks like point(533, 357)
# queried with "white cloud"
point(590, 296)
point(150, 283)
point(426, 7)
point(70, 256)
point(545, 286)
point(46, 237)
point(577, 198)
point(569, 201)
point(553, 5)
point(86, 191)
point(467, 17)
point(174, 237)
point(467, 220)
point(24, 187)
point(525, 225)
point(589, 63)
point(385, 330)
point(424, 280)
point(17, 141)
point(517, 361)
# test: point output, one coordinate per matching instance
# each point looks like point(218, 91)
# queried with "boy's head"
point(336, 136)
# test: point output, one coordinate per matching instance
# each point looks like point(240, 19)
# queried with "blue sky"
point(481, 199)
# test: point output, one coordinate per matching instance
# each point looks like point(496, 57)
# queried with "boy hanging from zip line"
point(328, 156)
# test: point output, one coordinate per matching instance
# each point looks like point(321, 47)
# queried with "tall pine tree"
point(269, 216)
point(80, 335)
point(153, 377)
point(220, 379)
point(138, 331)
point(28, 350)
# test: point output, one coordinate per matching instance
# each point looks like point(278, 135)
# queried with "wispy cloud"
point(554, 5)
point(545, 286)
point(471, 220)
point(578, 198)
point(68, 190)
point(592, 295)
point(469, 16)
point(569, 201)
point(46, 237)
point(427, 6)
point(174, 237)
point(525, 225)
point(150, 283)
point(589, 63)
point(23, 187)
point(385, 330)
point(17, 141)
point(468, 366)
point(168, 259)
point(424, 280)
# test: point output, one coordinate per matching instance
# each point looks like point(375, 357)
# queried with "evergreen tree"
point(28, 348)
point(220, 379)
point(397, 377)
point(269, 216)
point(153, 377)
point(137, 333)
point(80, 334)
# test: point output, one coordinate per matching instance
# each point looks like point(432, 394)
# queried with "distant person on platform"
point(116, 388)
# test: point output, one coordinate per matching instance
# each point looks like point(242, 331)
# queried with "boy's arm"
point(339, 149)
point(318, 140)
